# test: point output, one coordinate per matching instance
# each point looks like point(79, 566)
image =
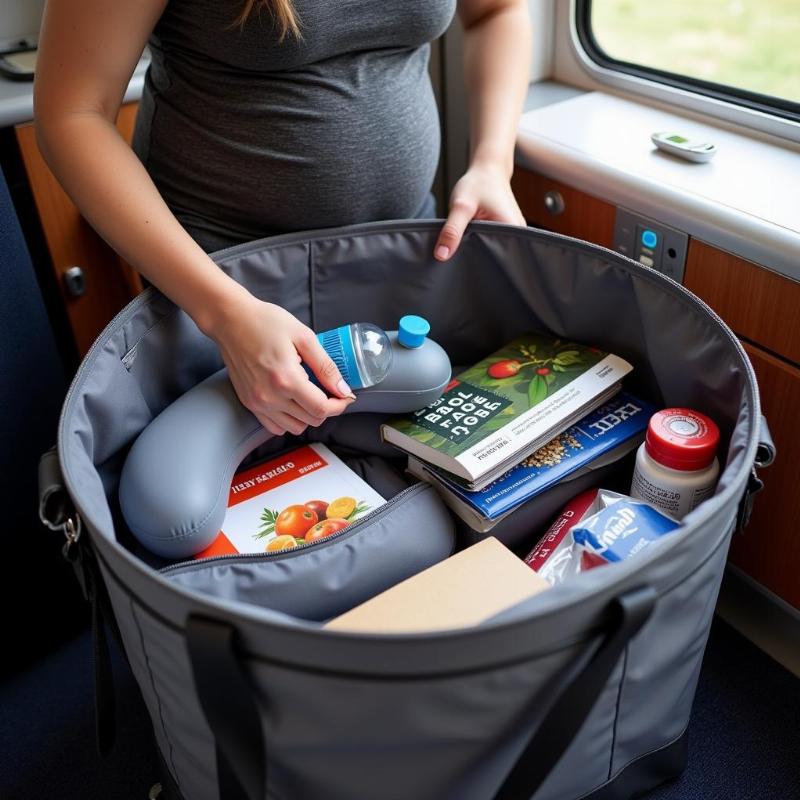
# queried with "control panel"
point(651, 243)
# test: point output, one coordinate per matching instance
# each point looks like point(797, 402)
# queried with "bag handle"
point(235, 723)
point(228, 704)
point(574, 698)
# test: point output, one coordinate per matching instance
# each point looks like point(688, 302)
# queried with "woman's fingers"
point(483, 192)
point(279, 423)
point(263, 349)
point(268, 423)
point(462, 212)
point(294, 409)
point(287, 422)
point(291, 401)
point(321, 364)
point(312, 400)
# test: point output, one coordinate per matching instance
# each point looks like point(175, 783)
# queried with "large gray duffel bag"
point(582, 691)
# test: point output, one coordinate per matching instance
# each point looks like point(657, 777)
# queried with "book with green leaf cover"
point(507, 405)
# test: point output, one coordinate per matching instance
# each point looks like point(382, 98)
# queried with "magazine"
point(297, 498)
point(507, 406)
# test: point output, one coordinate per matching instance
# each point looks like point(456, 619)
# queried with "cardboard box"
point(465, 589)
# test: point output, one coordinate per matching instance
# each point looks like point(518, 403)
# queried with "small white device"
point(689, 149)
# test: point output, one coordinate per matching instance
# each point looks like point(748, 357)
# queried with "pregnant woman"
point(262, 117)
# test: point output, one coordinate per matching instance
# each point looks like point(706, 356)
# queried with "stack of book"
point(536, 412)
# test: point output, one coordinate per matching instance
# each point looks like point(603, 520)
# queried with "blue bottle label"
point(338, 344)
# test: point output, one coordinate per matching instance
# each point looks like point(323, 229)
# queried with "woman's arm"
point(497, 53)
point(88, 50)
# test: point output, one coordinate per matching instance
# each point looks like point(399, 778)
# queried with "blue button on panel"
point(649, 238)
point(412, 330)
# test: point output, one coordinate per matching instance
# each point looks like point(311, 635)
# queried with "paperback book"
point(508, 405)
point(605, 435)
point(297, 498)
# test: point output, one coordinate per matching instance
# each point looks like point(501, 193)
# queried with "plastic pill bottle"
point(676, 466)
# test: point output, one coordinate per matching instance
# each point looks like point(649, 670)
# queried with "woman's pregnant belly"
point(350, 139)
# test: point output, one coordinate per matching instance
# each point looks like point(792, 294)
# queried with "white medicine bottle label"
point(676, 468)
point(668, 499)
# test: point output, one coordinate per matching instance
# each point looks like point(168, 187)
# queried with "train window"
point(741, 51)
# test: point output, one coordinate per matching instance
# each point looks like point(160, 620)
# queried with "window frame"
point(774, 115)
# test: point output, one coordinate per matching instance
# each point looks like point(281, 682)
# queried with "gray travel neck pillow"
point(174, 484)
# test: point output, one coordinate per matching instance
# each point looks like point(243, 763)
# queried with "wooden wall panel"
point(769, 548)
point(758, 304)
point(584, 216)
point(110, 282)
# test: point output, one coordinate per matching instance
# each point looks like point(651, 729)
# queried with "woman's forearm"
point(497, 52)
point(115, 194)
point(497, 55)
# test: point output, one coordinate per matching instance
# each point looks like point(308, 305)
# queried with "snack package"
point(617, 527)
point(556, 557)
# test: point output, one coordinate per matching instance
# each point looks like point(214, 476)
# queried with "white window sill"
point(746, 200)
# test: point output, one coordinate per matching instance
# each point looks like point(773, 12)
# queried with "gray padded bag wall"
point(336, 716)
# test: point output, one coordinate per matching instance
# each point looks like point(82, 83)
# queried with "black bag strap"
point(80, 555)
point(228, 703)
point(234, 720)
point(573, 700)
point(58, 513)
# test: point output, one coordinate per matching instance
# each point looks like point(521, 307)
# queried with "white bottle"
point(676, 466)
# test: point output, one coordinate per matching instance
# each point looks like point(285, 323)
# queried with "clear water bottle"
point(361, 351)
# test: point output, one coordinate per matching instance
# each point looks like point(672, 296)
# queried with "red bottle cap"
point(680, 438)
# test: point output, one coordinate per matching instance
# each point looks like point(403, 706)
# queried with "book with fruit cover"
point(507, 405)
point(605, 435)
point(297, 498)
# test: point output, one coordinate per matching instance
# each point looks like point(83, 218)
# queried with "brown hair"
point(282, 12)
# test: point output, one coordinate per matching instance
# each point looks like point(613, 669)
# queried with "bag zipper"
point(292, 551)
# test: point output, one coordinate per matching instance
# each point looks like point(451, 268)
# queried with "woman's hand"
point(263, 345)
point(483, 192)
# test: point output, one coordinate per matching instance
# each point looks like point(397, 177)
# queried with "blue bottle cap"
point(412, 331)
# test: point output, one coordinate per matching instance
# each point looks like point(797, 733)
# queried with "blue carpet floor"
point(744, 738)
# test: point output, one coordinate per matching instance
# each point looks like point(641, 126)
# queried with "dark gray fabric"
point(503, 280)
point(345, 714)
point(410, 534)
point(246, 136)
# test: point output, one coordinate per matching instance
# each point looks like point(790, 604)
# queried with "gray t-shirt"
point(245, 136)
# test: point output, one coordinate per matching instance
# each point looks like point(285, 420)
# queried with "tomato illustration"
point(543, 371)
point(319, 507)
point(504, 369)
point(295, 521)
point(325, 528)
